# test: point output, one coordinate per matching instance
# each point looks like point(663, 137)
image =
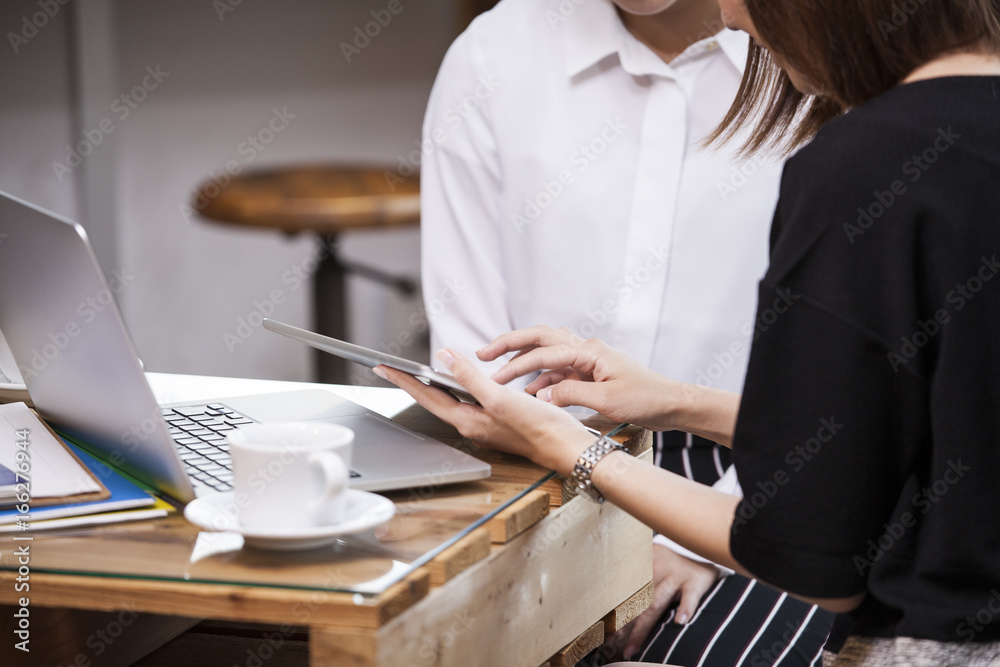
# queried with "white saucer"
point(364, 512)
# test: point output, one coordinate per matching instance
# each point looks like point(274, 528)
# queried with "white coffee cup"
point(292, 475)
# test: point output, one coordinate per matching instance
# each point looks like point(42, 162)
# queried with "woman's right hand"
point(591, 374)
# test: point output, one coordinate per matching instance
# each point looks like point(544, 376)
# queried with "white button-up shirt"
point(563, 183)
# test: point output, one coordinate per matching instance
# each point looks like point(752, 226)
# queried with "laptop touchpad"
point(292, 406)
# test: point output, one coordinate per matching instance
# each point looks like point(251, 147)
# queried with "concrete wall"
point(223, 71)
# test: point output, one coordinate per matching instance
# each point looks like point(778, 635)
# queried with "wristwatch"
point(585, 466)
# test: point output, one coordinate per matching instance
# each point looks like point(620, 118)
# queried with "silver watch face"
point(589, 458)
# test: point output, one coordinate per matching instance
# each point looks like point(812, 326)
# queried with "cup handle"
point(334, 472)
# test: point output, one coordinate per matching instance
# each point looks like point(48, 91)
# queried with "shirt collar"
point(597, 32)
point(591, 35)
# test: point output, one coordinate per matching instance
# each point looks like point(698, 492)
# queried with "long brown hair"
point(853, 50)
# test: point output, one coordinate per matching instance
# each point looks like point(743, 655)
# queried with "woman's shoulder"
point(903, 122)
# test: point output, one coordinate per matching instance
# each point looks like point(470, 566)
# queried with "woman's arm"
point(695, 516)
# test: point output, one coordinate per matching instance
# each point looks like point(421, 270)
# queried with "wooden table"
point(325, 200)
point(541, 582)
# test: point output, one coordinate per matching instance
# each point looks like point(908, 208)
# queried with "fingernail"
point(629, 652)
point(379, 371)
point(545, 394)
point(682, 618)
point(447, 358)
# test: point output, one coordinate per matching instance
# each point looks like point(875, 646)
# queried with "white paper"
point(53, 471)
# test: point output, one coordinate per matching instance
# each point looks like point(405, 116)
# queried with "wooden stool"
point(323, 200)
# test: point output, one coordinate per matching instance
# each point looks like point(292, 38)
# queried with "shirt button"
point(712, 46)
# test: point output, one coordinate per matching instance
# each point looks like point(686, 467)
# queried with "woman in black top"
point(868, 434)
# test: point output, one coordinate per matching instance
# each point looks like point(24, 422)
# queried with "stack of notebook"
point(47, 482)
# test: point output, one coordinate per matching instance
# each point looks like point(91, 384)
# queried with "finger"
point(593, 395)
point(470, 420)
point(642, 625)
point(691, 594)
point(436, 401)
point(524, 352)
point(549, 378)
point(544, 358)
point(485, 390)
point(522, 339)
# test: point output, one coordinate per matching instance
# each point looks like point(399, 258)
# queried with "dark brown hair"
point(852, 50)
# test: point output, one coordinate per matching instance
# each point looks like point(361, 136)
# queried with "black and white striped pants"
point(739, 622)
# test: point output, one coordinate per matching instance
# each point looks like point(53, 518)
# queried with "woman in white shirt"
point(562, 182)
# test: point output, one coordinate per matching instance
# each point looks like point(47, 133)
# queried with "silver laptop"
point(62, 323)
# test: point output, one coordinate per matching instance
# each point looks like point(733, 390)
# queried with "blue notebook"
point(7, 477)
point(8, 485)
point(125, 494)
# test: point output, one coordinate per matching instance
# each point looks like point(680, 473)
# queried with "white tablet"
point(368, 357)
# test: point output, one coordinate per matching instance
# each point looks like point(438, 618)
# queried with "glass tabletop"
point(427, 521)
point(366, 563)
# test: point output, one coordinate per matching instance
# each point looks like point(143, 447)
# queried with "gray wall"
point(222, 78)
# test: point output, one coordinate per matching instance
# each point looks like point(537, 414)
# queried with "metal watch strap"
point(584, 467)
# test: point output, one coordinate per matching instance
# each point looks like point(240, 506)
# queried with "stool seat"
point(323, 199)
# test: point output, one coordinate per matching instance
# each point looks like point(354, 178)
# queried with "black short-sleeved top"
point(868, 440)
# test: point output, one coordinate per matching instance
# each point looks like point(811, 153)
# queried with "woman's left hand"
point(505, 419)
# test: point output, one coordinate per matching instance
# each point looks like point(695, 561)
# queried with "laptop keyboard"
point(199, 433)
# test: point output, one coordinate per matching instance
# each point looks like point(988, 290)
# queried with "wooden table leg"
point(344, 649)
point(579, 648)
point(538, 593)
point(629, 610)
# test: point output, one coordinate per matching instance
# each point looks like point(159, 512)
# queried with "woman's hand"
point(675, 579)
point(505, 419)
point(592, 374)
point(588, 373)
